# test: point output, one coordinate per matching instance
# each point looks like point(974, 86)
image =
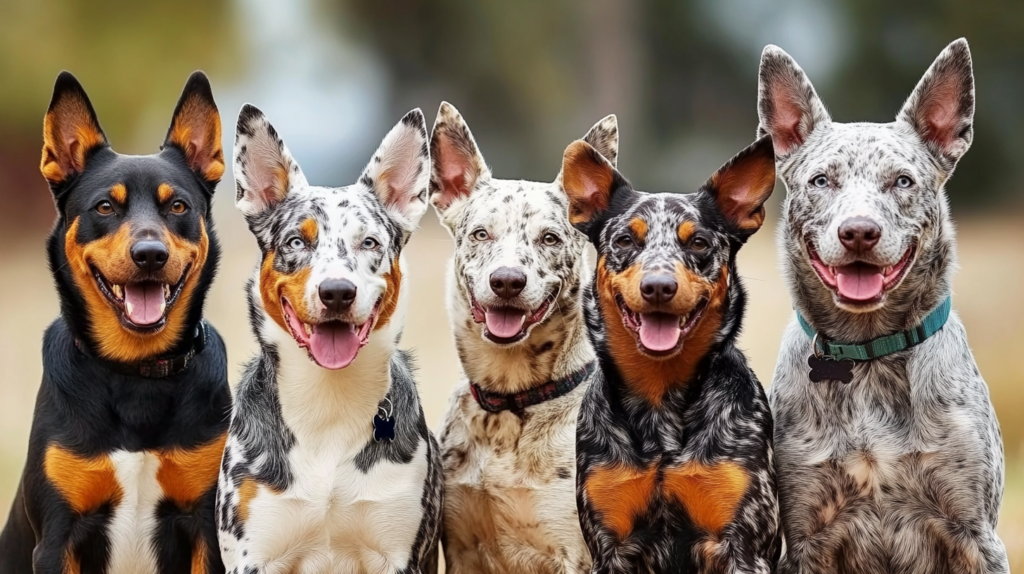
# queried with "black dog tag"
point(383, 428)
point(826, 369)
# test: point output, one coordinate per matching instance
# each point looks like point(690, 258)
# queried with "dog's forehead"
point(350, 207)
point(661, 212)
point(516, 203)
point(858, 149)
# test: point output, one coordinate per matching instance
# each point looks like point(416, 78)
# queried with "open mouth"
point(505, 325)
point(330, 344)
point(660, 334)
point(142, 305)
point(860, 283)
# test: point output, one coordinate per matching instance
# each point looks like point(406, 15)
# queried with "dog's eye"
point(104, 208)
point(903, 182)
point(296, 243)
point(698, 243)
point(623, 241)
point(481, 235)
point(820, 181)
point(178, 207)
point(550, 239)
point(370, 244)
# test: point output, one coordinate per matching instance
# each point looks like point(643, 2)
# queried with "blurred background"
point(529, 77)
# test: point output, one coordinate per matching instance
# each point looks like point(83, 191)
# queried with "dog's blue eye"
point(481, 235)
point(296, 243)
point(820, 181)
point(904, 182)
point(370, 243)
point(550, 239)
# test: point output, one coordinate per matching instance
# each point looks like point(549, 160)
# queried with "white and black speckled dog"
point(899, 470)
point(329, 465)
point(508, 438)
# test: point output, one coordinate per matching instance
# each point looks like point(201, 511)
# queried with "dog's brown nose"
point(149, 255)
point(337, 294)
point(658, 288)
point(507, 282)
point(859, 234)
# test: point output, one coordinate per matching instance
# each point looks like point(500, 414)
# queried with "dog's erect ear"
point(941, 108)
point(456, 163)
point(70, 131)
point(743, 184)
point(195, 129)
point(604, 137)
point(787, 105)
point(264, 168)
point(400, 170)
point(589, 181)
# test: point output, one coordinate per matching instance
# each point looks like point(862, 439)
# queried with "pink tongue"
point(504, 322)
point(144, 302)
point(859, 281)
point(334, 345)
point(659, 331)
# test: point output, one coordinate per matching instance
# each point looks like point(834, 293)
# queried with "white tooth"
point(522, 320)
point(163, 305)
point(167, 291)
point(128, 307)
point(118, 292)
point(887, 270)
point(309, 329)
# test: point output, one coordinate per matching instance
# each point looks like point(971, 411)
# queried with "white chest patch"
point(134, 522)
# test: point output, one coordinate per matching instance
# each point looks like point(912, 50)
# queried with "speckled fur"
point(901, 470)
point(304, 487)
point(510, 476)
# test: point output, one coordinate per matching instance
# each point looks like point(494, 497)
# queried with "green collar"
point(882, 346)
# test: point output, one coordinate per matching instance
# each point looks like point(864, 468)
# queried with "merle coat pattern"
point(674, 438)
point(510, 476)
point(121, 471)
point(305, 485)
point(901, 470)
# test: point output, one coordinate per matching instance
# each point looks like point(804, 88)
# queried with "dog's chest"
point(337, 517)
point(510, 486)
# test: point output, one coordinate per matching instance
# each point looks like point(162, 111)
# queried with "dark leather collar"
point(160, 367)
point(497, 402)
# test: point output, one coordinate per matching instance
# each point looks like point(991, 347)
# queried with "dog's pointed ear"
point(590, 181)
point(263, 167)
point(71, 131)
point(195, 129)
point(456, 163)
point(743, 184)
point(788, 108)
point(604, 137)
point(399, 172)
point(941, 108)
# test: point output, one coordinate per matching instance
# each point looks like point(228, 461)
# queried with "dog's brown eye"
point(481, 235)
point(698, 244)
point(624, 241)
point(550, 239)
point(178, 207)
point(904, 182)
point(104, 208)
point(820, 181)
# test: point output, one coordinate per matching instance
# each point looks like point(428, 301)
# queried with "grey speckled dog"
point(899, 469)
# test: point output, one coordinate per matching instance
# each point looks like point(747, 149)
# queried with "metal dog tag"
point(824, 369)
point(383, 428)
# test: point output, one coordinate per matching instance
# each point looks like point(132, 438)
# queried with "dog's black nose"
point(337, 294)
point(658, 288)
point(149, 255)
point(507, 282)
point(859, 234)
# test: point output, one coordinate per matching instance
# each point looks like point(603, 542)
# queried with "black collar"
point(497, 402)
point(160, 367)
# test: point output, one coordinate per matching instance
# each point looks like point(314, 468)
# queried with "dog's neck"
point(928, 282)
point(554, 349)
point(332, 410)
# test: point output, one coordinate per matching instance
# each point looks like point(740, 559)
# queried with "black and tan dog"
point(131, 416)
point(674, 441)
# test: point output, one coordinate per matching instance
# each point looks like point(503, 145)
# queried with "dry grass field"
point(987, 297)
